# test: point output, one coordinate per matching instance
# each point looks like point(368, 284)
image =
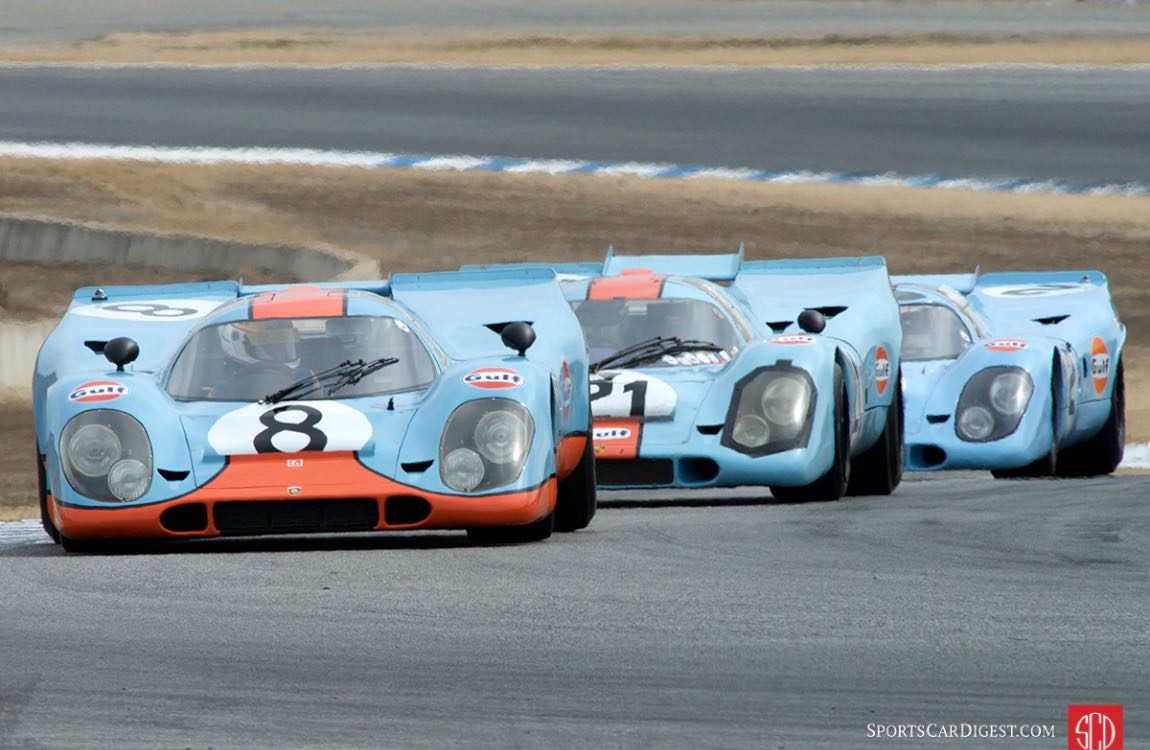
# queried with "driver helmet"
point(250, 341)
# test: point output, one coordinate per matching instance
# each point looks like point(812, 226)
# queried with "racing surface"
point(52, 20)
point(1074, 125)
point(743, 624)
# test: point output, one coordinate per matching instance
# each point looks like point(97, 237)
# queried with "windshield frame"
point(963, 324)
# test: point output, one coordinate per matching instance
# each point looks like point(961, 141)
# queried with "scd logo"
point(1094, 727)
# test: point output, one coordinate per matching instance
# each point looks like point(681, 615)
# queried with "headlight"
point(106, 455)
point(771, 411)
point(502, 437)
point(785, 400)
point(992, 404)
point(485, 444)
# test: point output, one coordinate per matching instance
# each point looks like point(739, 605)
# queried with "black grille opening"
point(930, 455)
point(417, 467)
point(937, 418)
point(404, 511)
point(638, 471)
point(190, 517)
point(698, 470)
point(173, 475)
point(295, 516)
point(709, 429)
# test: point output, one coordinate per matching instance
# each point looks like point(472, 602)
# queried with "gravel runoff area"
point(312, 47)
point(422, 221)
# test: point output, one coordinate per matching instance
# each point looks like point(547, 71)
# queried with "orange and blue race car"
point(714, 371)
point(434, 401)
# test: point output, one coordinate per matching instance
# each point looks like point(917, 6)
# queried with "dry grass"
point(309, 47)
point(414, 220)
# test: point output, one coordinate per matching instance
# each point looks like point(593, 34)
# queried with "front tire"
point(1102, 453)
point(532, 532)
point(576, 503)
point(832, 485)
point(878, 470)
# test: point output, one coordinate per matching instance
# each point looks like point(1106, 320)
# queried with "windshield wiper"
point(652, 349)
point(344, 374)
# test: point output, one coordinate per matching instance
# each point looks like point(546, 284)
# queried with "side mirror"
point(812, 321)
point(121, 351)
point(518, 336)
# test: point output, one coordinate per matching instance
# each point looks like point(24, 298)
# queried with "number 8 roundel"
point(290, 427)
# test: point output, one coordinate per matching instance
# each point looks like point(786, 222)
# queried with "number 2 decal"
point(290, 428)
point(627, 394)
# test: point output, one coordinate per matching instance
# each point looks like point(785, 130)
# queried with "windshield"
point(612, 325)
point(932, 332)
point(247, 360)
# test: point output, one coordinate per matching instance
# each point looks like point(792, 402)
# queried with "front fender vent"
point(416, 467)
point(173, 476)
point(937, 418)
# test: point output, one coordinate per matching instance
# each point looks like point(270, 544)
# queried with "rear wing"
point(467, 310)
point(1064, 304)
point(854, 294)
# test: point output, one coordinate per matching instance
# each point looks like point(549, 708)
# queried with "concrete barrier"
point(53, 243)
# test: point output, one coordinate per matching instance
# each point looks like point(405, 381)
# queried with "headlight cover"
point(992, 404)
point(485, 444)
point(106, 456)
point(771, 411)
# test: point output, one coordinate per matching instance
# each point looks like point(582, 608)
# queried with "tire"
point(576, 504)
point(45, 518)
point(832, 485)
point(532, 532)
point(878, 470)
point(1102, 453)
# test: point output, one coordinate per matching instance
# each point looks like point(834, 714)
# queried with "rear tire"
point(878, 470)
point(832, 485)
point(577, 503)
point(45, 517)
point(1102, 453)
point(532, 532)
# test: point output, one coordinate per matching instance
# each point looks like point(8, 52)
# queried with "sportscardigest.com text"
point(952, 731)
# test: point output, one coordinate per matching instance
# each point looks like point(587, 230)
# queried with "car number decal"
point(290, 427)
point(150, 311)
point(623, 393)
point(1035, 290)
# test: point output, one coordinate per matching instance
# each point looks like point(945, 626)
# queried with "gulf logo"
point(493, 378)
point(881, 369)
point(1006, 345)
point(793, 339)
point(95, 391)
point(1099, 365)
point(610, 433)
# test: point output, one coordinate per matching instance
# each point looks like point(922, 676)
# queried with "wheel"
point(1047, 465)
point(45, 517)
point(833, 484)
point(532, 532)
point(576, 504)
point(1102, 453)
point(878, 470)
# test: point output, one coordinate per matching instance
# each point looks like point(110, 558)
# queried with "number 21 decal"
point(630, 394)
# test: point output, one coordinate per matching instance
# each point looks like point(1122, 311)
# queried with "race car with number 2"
point(1020, 373)
point(713, 371)
point(199, 410)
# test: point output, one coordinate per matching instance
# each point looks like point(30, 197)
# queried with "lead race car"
point(197, 410)
point(712, 371)
point(1019, 373)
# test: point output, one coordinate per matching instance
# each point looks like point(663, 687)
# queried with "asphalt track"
point(741, 624)
point(23, 22)
point(1075, 125)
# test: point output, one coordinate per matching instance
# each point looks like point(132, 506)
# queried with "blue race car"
point(711, 371)
point(1019, 373)
point(199, 410)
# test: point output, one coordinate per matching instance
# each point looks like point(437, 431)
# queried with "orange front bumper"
point(278, 479)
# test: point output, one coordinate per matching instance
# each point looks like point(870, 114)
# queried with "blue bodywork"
point(456, 315)
point(1060, 328)
point(691, 441)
